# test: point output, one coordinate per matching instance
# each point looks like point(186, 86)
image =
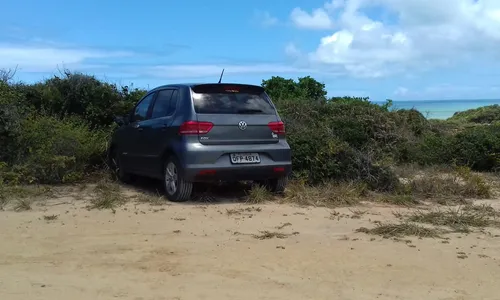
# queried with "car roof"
point(190, 85)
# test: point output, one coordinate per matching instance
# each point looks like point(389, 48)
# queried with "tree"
point(7, 75)
point(308, 88)
point(312, 89)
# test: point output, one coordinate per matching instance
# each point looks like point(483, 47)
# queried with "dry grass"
point(265, 235)
point(447, 188)
point(401, 230)
point(280, 227)
point(23, 197)
point(12, 192)
point(239, 211)
point(50, 217)
point(3, 201)
point(152, 199)
point(483, 209)
point(357, 213)
point(398, 199)
point(409, 171)
point(258, 194)
point(458, 219)
point(23, 204)
point(326, 195)
point(107, 195)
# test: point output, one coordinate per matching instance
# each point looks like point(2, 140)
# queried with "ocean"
point(441, 109)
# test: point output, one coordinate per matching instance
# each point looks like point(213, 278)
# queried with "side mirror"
point(121, 120)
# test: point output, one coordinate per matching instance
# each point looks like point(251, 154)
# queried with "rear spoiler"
point(208, 88)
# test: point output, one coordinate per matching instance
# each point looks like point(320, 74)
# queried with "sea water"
point(441, 109)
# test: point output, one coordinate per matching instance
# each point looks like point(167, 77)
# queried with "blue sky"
point(403, 50)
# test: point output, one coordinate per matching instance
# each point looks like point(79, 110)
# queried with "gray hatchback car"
point(188, 133)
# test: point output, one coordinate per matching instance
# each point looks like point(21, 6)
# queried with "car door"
point(131, 147)
point(158, 131)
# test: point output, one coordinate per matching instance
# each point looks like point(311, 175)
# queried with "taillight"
point(277, 127)
point(195, 127)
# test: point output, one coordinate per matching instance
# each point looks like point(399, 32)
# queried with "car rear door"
point(158, 133)
point(240, 114)
point(131, 146)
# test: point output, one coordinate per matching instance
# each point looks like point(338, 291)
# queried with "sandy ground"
point(199, 251)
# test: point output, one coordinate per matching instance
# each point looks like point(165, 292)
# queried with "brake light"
point(195, 127)
point(231, 89)
point(277, 127)
point(206, 172)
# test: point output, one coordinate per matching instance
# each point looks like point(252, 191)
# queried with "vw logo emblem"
point(242, 125)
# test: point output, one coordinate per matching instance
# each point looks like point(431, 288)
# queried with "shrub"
point(56, 150)
point(11, 115)
point(327, 143)
point(56, 130)
point(412, 120)
point(431, 149)
point(483, 115)
point(478, 147)
point(76, 94)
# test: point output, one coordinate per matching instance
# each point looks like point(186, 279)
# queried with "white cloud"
point(196, 71)
point(265, 19)
point(318, 19)
point(334, 4)
point(47, 59)
point(292, 51)
point(401, 91)
point(412, 34)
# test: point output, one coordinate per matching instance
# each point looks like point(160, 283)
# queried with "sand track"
point(202, 252)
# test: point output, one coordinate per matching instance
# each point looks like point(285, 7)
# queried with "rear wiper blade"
point(249, 111)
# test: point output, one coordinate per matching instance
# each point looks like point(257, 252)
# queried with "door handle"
point(164, 127)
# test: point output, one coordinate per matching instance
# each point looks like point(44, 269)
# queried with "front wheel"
point(176, 188)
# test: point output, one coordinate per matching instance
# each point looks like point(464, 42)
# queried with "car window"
point(220, 99)
point(162, 104)
point(173, 103)
point(141, 110)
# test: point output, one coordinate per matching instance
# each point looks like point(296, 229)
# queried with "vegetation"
point(401, 230)
point(461, 219)
point(56, 131)
point(482, 115)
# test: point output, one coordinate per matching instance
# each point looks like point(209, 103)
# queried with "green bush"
point(482, 115)
point(478, 147)
point(54, 151)
point(411, 120)
point(11, 114)
point(327, 143)
point(76, 94)
point(432, 149)
point(57, 130)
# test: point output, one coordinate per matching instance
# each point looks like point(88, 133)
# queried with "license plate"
point(245, 158)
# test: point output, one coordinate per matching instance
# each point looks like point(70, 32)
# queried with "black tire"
point(116, 168)
point(276, 185)
point(182, 190)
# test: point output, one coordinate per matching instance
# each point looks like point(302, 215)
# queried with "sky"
point(382, 49)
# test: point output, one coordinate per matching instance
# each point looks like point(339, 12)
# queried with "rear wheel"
point(176, 188)
point(117, 169)
point(276, 185)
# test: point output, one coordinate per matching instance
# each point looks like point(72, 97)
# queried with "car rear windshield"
point(231, 99)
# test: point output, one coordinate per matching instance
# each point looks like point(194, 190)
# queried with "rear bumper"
point(211, 163)
point(236, 172)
